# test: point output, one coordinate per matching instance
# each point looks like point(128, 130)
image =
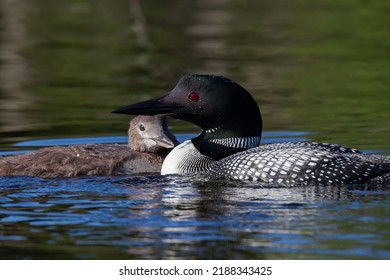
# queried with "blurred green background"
point(317, 66)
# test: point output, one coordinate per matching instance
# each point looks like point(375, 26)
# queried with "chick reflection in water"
point(149, 142)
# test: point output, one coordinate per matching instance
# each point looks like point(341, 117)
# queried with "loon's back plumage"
point(229, 143)
point(302, 163)
point(284, 164)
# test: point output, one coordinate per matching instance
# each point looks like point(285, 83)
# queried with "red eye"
point(193, 96)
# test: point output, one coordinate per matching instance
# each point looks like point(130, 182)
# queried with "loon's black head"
point(211, 102)
point(221, 107)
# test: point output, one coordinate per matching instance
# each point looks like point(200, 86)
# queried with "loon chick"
point(149, 143)
point(229, 143)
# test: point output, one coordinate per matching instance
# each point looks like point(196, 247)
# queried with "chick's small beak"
point(164, 142)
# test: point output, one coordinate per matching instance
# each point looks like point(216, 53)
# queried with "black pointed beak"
point(150, 107)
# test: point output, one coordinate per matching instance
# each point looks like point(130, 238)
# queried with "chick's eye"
point(141, 127)
point(193, 96)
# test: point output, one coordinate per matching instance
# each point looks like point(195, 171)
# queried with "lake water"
point(319, 72)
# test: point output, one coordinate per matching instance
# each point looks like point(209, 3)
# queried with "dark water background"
point(318, 69)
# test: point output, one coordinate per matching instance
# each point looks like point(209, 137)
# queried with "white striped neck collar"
point(218, 143)
point(238, 142)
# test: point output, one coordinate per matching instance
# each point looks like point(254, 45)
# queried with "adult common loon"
point(149, 143)
point(229, 143)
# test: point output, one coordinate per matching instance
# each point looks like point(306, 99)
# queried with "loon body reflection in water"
point(149, 143)
point(229, 143)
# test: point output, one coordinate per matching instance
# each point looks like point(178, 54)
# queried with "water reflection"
point(173, 217)
point(265, 221)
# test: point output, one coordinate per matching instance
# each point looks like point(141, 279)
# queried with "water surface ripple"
point(174, 217)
